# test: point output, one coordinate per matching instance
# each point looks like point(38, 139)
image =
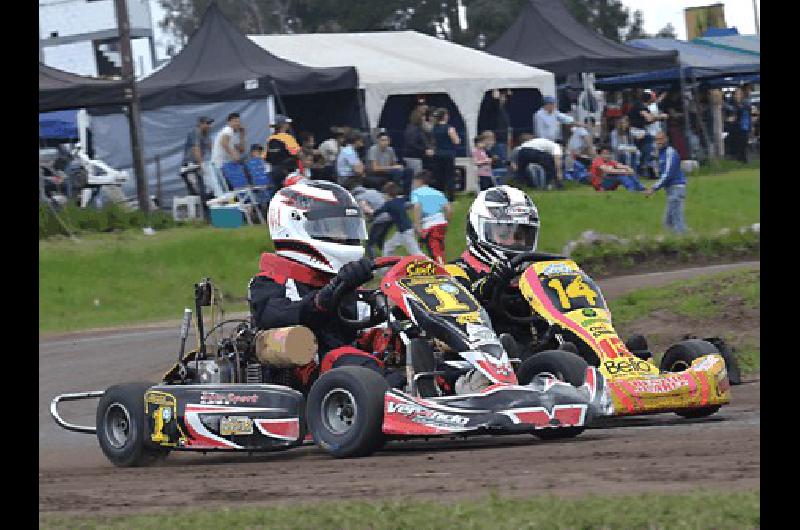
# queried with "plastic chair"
point(236, 177)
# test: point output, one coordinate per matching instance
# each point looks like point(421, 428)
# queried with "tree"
point(667, 32)
point(636, 28)
point(607, 17)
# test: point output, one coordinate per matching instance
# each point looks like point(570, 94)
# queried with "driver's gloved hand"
point(352, 274)
point(484, 287)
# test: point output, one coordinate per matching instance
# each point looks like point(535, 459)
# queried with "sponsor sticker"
point(480, 332)
point(419, 414)
point(627, 365)
point(557, 268)
point(217, 398)
point(235, 425)
point(420, 268)
point(662, 385)
point(588, 312)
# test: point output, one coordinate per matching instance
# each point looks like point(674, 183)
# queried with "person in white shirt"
point(547, 121)
point(229, 144)
point(541, 151)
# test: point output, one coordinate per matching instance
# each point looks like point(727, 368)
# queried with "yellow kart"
point(691, 381)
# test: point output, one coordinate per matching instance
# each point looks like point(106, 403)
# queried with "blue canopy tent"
point(58, 125)
point(747, 44)
point(698, 63)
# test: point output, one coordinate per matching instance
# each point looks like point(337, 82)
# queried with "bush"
point(106, 219)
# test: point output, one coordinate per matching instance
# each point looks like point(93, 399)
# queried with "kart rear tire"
point(121, 426)
point(353, 434)
point(559, 433)
point(565, 366)
point(678, 358)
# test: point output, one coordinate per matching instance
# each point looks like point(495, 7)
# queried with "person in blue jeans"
point(672, 179)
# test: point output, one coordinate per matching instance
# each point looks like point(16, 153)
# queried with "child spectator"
point(671, 178)
point(608, 174)
point(483, 161)
point(395, 206)
point(371, 200)
point(431, 214)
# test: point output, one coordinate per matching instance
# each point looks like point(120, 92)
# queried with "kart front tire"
point(565, 366)
point(357, 393)
point(121, 430)
point(678, 358)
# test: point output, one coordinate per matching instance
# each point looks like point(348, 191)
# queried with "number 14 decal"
point(576, 289)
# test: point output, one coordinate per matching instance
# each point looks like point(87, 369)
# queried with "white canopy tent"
point(407, 62)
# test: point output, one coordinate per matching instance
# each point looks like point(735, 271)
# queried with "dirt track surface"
point(660, 452)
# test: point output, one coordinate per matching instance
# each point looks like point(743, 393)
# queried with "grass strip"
point(691, 510)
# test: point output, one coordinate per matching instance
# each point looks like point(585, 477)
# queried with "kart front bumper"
point(704, 384)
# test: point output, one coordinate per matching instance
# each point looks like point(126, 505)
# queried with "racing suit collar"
point(281, 269)
point(471, 260)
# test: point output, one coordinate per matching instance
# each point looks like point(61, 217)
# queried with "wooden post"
point(715, 96)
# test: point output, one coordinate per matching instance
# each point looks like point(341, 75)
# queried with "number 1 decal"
point(448, 303)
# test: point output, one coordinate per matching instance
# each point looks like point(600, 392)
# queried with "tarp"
point(407, 63)
point(547, 36)
point(698, 62)
point(165, 132)
point(58, 125)
point(749, 44)
point(220, 64)
point(59, 90)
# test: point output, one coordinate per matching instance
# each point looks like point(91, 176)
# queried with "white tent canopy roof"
point(408, 62)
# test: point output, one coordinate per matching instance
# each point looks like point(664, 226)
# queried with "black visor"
point(520, 237)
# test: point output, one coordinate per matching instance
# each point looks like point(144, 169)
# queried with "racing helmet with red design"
point(318, 224)
point(502, 222)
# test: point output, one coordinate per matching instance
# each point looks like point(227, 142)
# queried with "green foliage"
point(690, 510)
point(106, 219)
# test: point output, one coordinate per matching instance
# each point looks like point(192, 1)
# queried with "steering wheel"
point(503, 297)
point(376, 305)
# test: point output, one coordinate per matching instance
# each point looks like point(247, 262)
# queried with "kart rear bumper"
point(500, 408)
point(704, 384)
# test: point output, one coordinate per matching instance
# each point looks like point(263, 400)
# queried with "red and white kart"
point(451, 376)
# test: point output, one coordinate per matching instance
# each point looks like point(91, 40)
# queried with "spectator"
point(418, 143)
point(608, 174)
point(382, 165)
point(639, 117)
point(196, 151)
point(499, 156)
point(446, 139)
point(580, 152)
point(671, 178)
point(622, 145)
point(547, 120)
point(541, 151)
point(256, 170)
point(502, 124)
point(224, 149)
point(283, 151)
point(395, 206)
point(371, 200)
point(483, 161)
point(349, 168)
point(329, 151)
point(740, 120)
point(674, 125)
point(431, 214)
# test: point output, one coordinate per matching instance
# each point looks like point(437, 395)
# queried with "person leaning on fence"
point(195, 153)
point(395, 206)
point(283, 151)
point(432, 212)
point(671, 178)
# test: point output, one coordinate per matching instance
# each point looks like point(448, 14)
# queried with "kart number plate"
point(230, 425)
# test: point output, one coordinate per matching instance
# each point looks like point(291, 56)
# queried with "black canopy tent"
point(59, 90)
point(220, 64)
point(547, 36)
point(220, 71)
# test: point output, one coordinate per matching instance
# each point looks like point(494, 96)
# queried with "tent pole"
point(134, 120)
point(685, 104)
point(278, 97)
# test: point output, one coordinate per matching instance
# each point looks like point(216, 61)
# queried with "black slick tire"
point(678, 358)
point(345, 411)
point(564, 365)
point(121, 430)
